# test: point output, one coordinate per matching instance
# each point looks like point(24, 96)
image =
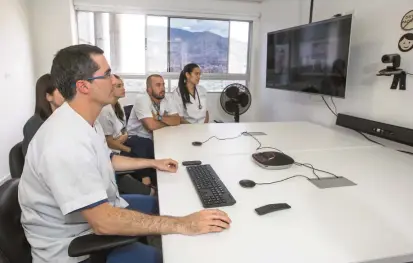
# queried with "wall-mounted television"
point(311, 58)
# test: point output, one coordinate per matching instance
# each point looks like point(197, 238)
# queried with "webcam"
point(399, 75)
point(393, 59)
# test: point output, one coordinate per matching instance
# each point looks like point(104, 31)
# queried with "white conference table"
point(369, 222)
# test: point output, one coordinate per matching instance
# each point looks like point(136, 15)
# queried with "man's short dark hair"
point(149, 79)
point(72, 64)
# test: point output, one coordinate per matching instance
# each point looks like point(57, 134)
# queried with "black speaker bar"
point(379, 129)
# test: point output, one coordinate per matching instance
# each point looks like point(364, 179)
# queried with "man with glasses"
point(68, 187)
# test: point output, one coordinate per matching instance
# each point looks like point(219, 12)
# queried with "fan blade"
point(232, 92)
point(243, 99)
point(230, 106)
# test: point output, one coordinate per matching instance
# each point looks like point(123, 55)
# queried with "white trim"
point(170, 12)
point(206, 76)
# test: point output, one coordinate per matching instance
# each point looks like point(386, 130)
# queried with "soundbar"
point(379, 129)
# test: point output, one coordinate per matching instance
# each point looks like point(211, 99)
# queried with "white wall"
point(16, 77)
point(53, 26)
point(376, 31)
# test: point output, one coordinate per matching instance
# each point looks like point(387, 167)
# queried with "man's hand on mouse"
point(166, 165)
point(205, 221)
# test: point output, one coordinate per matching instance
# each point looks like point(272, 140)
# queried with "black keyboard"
point(209, 187)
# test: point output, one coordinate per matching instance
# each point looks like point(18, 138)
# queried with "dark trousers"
point(141, 148)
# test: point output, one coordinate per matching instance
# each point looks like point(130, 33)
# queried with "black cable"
point(223, 139)
point(405, 152)
point(334, 104)
point(260, 145)
point(299, 175)
point(307, 165)
point(328, 106)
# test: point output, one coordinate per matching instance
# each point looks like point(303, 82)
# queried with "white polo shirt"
point(67, 168)
point(144, 108)
point(192, 113)
point(111, 124)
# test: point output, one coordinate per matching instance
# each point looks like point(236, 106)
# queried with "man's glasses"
point(107, 75)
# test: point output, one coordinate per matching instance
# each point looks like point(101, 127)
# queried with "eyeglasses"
point(107, 75)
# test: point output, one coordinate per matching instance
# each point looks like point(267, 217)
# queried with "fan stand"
point(236, 115)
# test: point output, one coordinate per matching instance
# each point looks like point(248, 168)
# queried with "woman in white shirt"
point(113, 121)
point(190, 99)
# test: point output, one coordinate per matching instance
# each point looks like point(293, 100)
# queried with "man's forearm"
point(157, 125)
point(171, 120)
point(126, 222)
point(122, 163)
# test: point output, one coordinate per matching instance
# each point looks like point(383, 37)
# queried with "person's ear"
point(83, 86)
point(49, 97)
point(187, 75)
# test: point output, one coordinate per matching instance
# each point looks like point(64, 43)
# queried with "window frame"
point(168, 76)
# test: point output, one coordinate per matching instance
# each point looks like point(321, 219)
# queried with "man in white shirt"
point(152, 111)
point(68, 187)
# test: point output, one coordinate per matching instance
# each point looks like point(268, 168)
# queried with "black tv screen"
point(311, 58)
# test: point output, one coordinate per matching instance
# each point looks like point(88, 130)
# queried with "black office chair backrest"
point(128, 110)
point(14, 247)
point(16, 160)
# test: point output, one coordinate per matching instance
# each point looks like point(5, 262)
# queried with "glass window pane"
point(218, 85)
point(102, 32)
point(86, 28)
point(157, 43)
point(129, 36)
point(211, 85)
point(135, 85)
point(238, 47)
point(204, 42)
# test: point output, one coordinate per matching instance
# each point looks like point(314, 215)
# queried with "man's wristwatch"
point(159, 117)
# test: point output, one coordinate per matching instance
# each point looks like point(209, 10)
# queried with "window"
point(137, 45)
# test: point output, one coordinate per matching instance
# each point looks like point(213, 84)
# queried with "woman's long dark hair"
point(44, 86)
point(182, 82)
point(118, 108)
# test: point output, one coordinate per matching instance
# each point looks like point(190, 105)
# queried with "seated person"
point(48, 99)
point(68, 188)
point(190, 99)
point(151, 111)
point(112, 119)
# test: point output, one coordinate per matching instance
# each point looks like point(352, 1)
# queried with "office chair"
point(127, 109)
point(16, 160)
point(14, 247)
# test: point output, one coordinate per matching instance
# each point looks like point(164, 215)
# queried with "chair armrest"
point(125, 172)
point(90, 244)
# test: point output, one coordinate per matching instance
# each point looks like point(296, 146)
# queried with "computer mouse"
point(247, 183)
point(196, 143)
